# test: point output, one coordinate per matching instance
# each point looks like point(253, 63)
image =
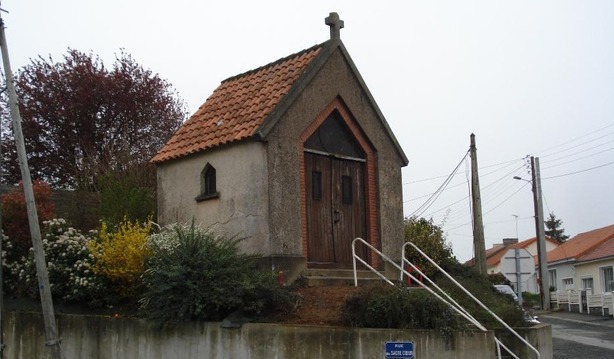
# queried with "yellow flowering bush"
point(120, 255)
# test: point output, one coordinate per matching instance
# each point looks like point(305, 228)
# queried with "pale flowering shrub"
point(69, 263)
point(11, 266)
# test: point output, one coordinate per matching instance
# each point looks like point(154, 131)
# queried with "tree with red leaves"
point(82, 120)
point(15, 216)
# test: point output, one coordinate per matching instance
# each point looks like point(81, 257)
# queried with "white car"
point(506, 289)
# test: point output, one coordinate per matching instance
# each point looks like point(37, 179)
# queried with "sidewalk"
point(577, 318)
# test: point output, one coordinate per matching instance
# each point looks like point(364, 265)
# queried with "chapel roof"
point(238, 106)
point(248, 105)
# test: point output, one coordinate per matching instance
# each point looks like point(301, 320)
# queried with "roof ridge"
point(276, 62)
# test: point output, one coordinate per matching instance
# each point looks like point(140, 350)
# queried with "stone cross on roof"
point(335, 24)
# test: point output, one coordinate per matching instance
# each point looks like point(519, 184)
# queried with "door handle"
point(336, 215)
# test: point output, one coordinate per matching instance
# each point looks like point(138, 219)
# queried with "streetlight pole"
point(544, 280)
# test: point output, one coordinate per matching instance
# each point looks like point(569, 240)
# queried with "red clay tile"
point(238, 106)
point(582, 244)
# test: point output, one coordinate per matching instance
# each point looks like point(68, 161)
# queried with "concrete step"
point(330, 277)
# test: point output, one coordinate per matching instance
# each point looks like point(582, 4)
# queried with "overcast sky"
point(527, 77)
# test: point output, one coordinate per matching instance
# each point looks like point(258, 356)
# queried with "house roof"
point(602, 251)
point(496, 257)
point(490, 252)
point(581, 244)
point(494, 254)
point(248, 105)
point(238, 107)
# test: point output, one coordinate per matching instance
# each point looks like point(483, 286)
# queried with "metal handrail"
point(356, 257)
point(449, 301)
point(460, 286)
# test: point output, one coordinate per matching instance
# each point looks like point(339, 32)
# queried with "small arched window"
point(208, 183)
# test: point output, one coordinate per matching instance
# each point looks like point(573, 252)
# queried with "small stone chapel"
point(296, 157)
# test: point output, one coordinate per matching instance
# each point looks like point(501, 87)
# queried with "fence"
point(583, 301)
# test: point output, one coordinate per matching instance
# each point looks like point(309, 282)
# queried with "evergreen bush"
point(123, 197)
point(193, 274)
point(385, 306)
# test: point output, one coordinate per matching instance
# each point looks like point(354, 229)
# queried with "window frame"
point(552, 277)
point(567, 283)
point(585, 280)
point(208, 184)
point(607, 283)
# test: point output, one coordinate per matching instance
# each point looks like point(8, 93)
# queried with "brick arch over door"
point(370, 180)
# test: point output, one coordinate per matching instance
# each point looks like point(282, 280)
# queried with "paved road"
point(572, 338)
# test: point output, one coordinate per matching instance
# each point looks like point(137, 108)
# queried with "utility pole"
point(51, 332)
point(544, 282)
point(479, 247)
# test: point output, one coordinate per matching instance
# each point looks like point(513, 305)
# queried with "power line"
point(542, 151)
point(577, 138)
point(488, 197)
point(484, 167)
point(418, 212)
point(509, 163)
point(581, 158)
point(505, 200)
point(581, 171)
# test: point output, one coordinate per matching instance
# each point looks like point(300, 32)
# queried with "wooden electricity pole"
point(544, 282)
point(51, 332)
point(479, 247)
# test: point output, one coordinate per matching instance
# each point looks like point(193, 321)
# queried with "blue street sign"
point(400, 350)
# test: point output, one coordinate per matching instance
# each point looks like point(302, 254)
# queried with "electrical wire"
point(505, 200)
point(576, 139)
point(581, 171)
point(581, 158)
point(420, 210)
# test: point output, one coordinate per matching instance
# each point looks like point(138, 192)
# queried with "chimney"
point(335, 24)
point(509, 241)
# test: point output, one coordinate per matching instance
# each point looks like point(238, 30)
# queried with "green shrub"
point(193, 274)
point(530, 300)
point(482, 288)
point(123, 197)
point(385, 306)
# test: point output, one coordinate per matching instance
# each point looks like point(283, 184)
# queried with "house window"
point(587, 283)
point(568, 283)
point(208, 184)
point(552, 275)
point(607, 277)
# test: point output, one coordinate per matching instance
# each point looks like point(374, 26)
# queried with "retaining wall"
point(90, 337)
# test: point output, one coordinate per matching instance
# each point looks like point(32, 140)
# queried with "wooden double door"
point(336, 209)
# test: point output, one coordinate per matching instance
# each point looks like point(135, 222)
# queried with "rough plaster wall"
point(335, 79)
point(592, 269)
point(562, 271)
point(242, 180)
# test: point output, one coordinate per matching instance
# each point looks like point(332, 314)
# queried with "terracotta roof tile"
point(581, 245)
point(604, 250)
point(237, 107)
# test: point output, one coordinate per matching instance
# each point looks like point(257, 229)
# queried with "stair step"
point(330, 277)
